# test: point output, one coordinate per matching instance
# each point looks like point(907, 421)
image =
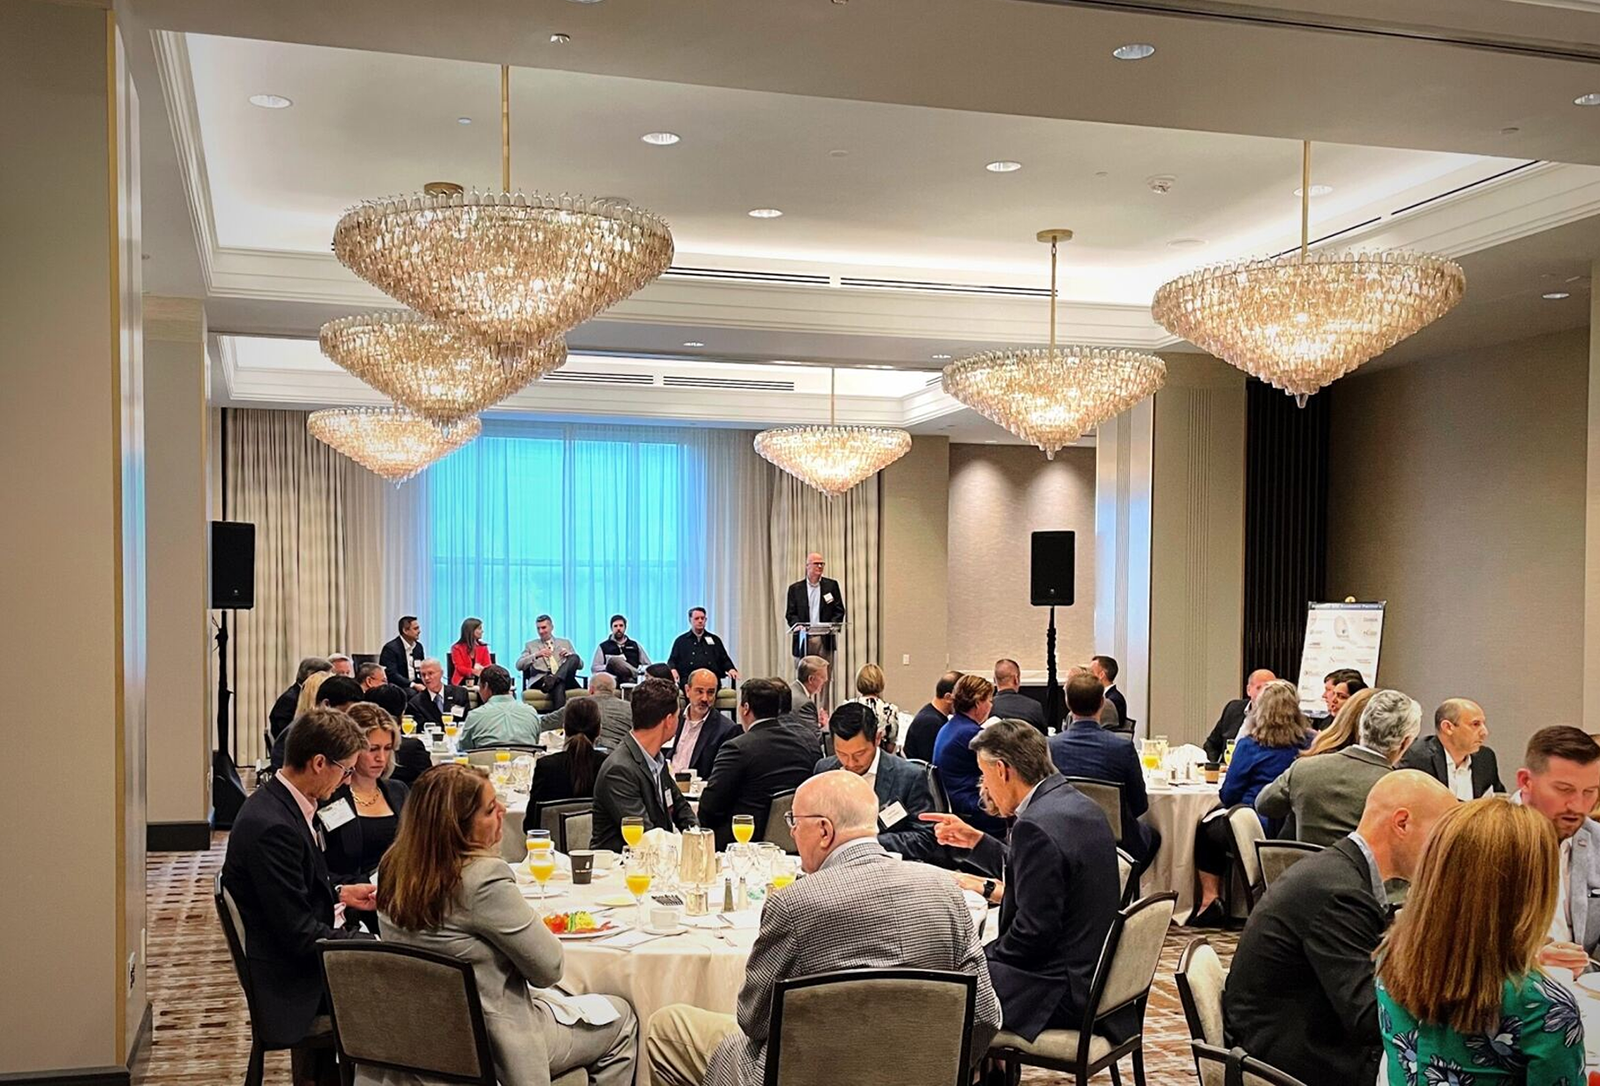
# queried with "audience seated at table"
point(361, 817)
point(1057, 885)
point(323, 690)
point(275, 871)
point(411, 758)
point(1455, 754)
point(634, 781)
point(901, 787)
point(770, 757)
point(1233, 715)
point(443, 887)
point(702, 727)
point(616, 719)
point(1343, 729)
point(502, 717)
point(1327, 793)
point(400, 657)
point(1560, 778)
point(284, 710)
point(570, 772)
point(1110, 720)
point(1278, 732)
point(1299, 994)
point(619, 654)
point(869, 692)
point(858, 908)
point(972, 700)
point(1462, 1000)
point(1106, 670)
point(695, 649)
point(437, 703)
point(811, 678)
point(1339, 687)
point(1010, 703)
point(469, 655)
point(549, 663)
point(925, 726)
point(1085, 749)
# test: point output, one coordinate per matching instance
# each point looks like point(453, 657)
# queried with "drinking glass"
point(500, 774)
point(407, 725)
point(744, 828)
point(636, 872)
point(633, 830)
point(539, 841)
point(450, 733)
point(783, 872)
point(541, 865)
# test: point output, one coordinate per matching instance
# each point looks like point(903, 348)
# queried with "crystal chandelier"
point(433, 368)
point(832, 458)
point(514, 268)
point(389, 441)
point(1052, 397)
point(1303, 320)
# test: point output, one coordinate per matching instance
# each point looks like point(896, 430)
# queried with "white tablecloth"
point(1176, 812)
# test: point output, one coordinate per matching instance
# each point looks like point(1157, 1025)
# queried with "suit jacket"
point(1430, 756)
point(462, 662)
point(860, 910)
point(899, 781)
point(282, 714)
point(750, 769)
point(275, 871)
point(1325, 793)
point(625, 787)
point(1085, 749)
point(424, 711)
point(552, 783)
point(530, 664)
point(802, 706)
point(352, 850)
point(616, 720)
point(1582, 907)
point(958, 772)
point(1015, 705)
point(716, 730)
point(923, 732)
point(798, 609)
point(1227, 727)
point(392, 658)
point(411, 760)
point(1300, 991)
point(1060, 871)
point(1114, 696)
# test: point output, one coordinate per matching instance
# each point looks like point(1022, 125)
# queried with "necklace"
point(365, 801)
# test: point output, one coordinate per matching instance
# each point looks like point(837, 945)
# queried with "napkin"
point(595, 1010)
point(1178, 757)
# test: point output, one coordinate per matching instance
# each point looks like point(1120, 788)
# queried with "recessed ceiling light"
point(1317, 190)
point(941, 358)
point(1590, 99)
point(560, 39)
point(270, 101)
point(1134, 51)
point(463, 120)
point(1003, 166)
point(660, 139)
point(693, 343)
point(1556, 295)
point(764, 213)
point(1186, 243)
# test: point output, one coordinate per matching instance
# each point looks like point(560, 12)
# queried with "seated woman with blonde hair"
point(1345, 728)
point(869, 685)
point(1461, 997)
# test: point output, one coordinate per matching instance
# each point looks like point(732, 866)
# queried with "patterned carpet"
point(201, 1036)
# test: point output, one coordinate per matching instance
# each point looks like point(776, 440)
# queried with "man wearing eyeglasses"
point(276, 875)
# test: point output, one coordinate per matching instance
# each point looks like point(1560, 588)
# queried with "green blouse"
point(1539, 1042)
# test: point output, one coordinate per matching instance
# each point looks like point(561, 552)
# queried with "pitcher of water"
point(697, 862)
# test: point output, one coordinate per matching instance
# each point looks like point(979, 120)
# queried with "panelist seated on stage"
point(502, 717)
point(772, 756)
point(470, 654)
point(619, 654)
point(702, 728)
point(402, 656)
point(550, 663)
point(696, 649)
point(901, 787)
point(437, 701)
point(813, 675)
point(813, 600)
point(635, 781)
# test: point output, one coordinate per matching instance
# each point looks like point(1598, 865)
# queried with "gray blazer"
point(626, 788)
point(529, 662)
point(616, 720)
point(801, 705)
point(492, 928)
point(1325, 793)
point(1583, 883)
point(862, 909)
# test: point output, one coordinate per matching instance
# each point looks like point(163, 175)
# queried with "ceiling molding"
point(177, 86)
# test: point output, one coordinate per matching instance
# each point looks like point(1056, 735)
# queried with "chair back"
point(806, 1020)
point(577, 830)
point(233, 931)
point(552, 816)
point(367, 980)
point(727, 700)
point(1245, 826)
point(941, 798)
point(1201, 977)
point(1226, 1067)
point(482, 757)
point(777, 830)
point(1273, 857)
point(538, 700)
point(1127, 884)
point(1107, 795)
point(1129, 958)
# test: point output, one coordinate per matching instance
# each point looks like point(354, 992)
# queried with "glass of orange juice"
point(633, 830)
point(541, 865)
point(539, 840)
point(782, 872)
point(636, 872)
point(407, 725)
point(744, 828)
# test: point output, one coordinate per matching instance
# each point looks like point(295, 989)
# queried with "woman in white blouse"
point(869, 685)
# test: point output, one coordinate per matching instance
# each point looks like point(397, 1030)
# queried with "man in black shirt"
point(695, 649)
point(930, 718)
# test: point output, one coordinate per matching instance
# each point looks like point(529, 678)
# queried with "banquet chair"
point(805, 1021)
point(1275, 857)
point(1235, 1068)
point(1245, 827)
point(1107, 795)
point(551, 817)
point(577, 830)
point(233, 933)
point(485, 756)
point(1127, 879)
point(728, 700)
point(538, 700)
point(777, 830)
point(1122, 979)
point(1200, 977)
point(941, 798)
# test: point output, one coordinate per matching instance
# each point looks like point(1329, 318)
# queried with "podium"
point(809, 630)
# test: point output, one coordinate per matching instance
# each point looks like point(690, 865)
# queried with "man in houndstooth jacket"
point(859, 908)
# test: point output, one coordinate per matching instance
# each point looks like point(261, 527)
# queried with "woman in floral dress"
point(1461, 998)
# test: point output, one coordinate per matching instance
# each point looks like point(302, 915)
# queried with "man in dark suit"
point(772, 756)
point(1232, 718)
point(437, 701)
point(1299, 993)
point(634, 781)
point(1085, 749)
point(1455, 754)
point(702, 729)
point(924, 729)
point(1010, 703)
point(336, 692)
point(1105, 669)
point(402, 657)
point(813, 599)
point(282, 713)
point(1059, 887)
point(901, 787)
point(275, 873)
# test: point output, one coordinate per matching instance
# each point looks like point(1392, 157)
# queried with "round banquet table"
point(1176, 812)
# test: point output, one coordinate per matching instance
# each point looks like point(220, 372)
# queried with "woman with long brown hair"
point(569, 773)
point(1346, 726)
point(469, 655)
point(1463, 1000)
point(442, 886)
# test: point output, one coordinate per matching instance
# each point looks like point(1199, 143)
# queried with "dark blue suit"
point(716, 730)
point(958, 770)
point(1060, 872)
point(898, 781)
point(1086, 749)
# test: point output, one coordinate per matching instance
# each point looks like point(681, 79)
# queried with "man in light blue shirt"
point(501, 718)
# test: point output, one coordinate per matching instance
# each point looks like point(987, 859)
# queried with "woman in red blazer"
point(469, 655)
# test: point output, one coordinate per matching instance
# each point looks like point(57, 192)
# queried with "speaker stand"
point(1052, 693)
point(227, 791)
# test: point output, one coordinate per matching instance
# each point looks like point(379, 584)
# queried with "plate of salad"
point(579, 924)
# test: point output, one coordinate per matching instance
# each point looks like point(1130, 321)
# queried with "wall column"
point(1591, 547)
point(915, 540)
point(1123, 455)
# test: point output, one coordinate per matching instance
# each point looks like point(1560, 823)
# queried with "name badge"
point(711, 641)
point(336, 815)
point(827, 597)
point(892, 815)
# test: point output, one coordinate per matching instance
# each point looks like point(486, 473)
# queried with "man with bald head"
point(1232, 718)
point(1455, 755)
point(834, 919)
point(1300, 993)
point(1010, 703)
point(813, 599)
point(702, 727)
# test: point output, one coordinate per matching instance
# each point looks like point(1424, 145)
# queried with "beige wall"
point(915, 512)
point(1457, 494)
point(999, 495)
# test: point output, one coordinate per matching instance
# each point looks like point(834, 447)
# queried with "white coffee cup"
point(664, 918)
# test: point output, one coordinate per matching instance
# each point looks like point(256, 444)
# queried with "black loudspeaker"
point(233, 565)
point(1054, 563)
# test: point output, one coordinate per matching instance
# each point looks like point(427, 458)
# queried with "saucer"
point(652, 930)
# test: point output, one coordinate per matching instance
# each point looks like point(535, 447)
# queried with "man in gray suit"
point(1560, 778)
point(834, 919)
point(616, 719)
point(1327, 792)
point(550, 663)
point(812, 675)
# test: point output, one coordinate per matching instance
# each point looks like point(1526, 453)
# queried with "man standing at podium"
point(816, 599)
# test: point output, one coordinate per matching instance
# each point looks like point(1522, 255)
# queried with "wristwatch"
point(988, 890)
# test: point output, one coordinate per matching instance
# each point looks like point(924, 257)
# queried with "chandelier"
point(832, 458)
point(433, 368)
point(1051, 397)
point(389, 441)
point(1303, 320)
point(516, 269)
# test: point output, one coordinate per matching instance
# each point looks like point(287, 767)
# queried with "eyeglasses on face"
point(790, 818)
point(344, 770)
